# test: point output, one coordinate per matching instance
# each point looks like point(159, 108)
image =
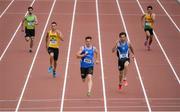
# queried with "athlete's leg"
point(27, 38)
point(125, 68)
point(126, 64)
point(121, 73)
point(55, 64)
point(90, 83)
point(51, 58)
point(147, 35)
point(31, 44)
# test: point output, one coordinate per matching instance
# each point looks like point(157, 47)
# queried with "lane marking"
point(137, 67)
point(12, 38)
point(68, 55)
point(162, 49)
point(104, 14)
point(92, 99)
point(92, 107)
point(101, 58)
point(168, 16)
point(6, 8)
point(34, 59)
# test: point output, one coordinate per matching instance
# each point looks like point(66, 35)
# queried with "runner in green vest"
point(28, 23)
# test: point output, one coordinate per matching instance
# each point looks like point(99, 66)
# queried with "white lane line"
point(168, 15)
point(30, 70)
point(6, 8)
point(137, 67)
point(162, 49)
point(101, 58)
point(68, 55)
point(92, 99)
point(12, 38)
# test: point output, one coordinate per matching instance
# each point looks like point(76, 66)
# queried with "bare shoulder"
point(129, 43)
point(59, 32)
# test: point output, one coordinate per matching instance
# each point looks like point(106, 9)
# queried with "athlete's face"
point(30, 11)
point(88, 42)
point(149, 10)
point(53, 26)
point(122, 38)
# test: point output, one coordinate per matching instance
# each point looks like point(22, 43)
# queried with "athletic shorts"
point(86, 71)
point(30, 33)
point(150, 30)
point(55, 51)
point(121, 63)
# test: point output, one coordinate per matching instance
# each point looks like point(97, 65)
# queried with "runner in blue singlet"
point(122, 48)
point(88, 55)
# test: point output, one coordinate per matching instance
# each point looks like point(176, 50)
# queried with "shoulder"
point(153, 14)
point(144, 14)
point(59, 32)
point(34, 15)
point(82, 47)
point(49, 32)
point(129, 43)
point(94, 47)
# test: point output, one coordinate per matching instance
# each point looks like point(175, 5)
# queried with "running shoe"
point(50, 69)
point(30, 51)
point(145, 43)
point(88, 93)
point(54, 74)
point(120, 87)
point(125, 82)
point(148, 47)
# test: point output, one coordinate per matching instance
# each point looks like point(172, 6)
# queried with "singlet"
point(148, 21)
point(123, 50)
point(88, 60)
point(30, 21)
point(54, 41)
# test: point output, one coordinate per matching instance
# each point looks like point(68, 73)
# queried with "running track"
point(153, 84)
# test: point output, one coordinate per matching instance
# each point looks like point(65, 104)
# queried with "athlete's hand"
point(133, 57)
point(97, 62)
point(22, 30)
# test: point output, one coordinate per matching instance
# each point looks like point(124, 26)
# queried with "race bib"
point(123, 56)
point(147, 24)
point(87, 61)
point(30, 23)
point(53, 41)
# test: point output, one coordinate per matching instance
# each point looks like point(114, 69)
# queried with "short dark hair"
point(54, 23)
point(88, 37)
point(149, 7)
point(30, 8)
point(122, 33)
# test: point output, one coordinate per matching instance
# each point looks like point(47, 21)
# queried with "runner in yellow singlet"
point(28, 23)
point(53, 39)
point(147, 21)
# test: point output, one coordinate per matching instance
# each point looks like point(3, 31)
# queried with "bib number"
point(87, 61)
point(147, 24)
point(30, 23)
point(53, 41)
point(123, 56)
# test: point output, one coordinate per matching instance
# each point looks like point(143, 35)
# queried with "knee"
point(126, 64)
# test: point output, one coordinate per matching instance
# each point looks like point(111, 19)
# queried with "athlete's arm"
point(47, 40)
point(115, 47)
point(96, 56)
point(22, 24)
point(36, 20)
point(142, 20)
point(79, 55)
point(153, 17)
point(131, 48)
point(60, 35)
